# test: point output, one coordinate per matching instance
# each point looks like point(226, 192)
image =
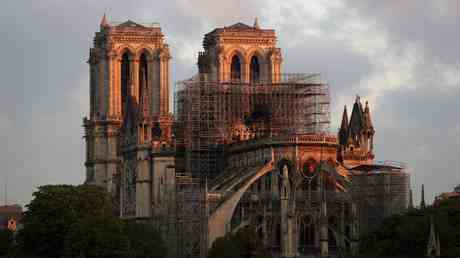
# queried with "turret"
point(356, 136)
point(343, 131)
point(422, 202)
point(104, 23)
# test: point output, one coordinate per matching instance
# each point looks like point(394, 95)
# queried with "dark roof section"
point(372, 167)
point(356, 119)
point(239, 25)
point(367, 117)
point(130, 23)
point(228, 31)
point(343, 132)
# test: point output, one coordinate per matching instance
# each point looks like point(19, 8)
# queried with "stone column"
point(323, 237)
point(323, 241)
point(221, 68)
point(354, 229)
point(151, 77)
point(164, 57)
point(110, 84)
point(93, 84)
point(101, 85)
point(286, 227)
point(117, 87)
point(341, 238)
point(135, 79)
point(143, 182)
point(245, 68)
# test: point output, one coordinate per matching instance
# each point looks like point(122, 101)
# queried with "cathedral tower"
point(241, 53)
point(356, 136)
point(129, 98)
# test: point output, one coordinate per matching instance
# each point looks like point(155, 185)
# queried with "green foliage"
point(407, 235)
point(54, 211)
point(145, 241)
point(225, 247)
point(96, 236)
point(6, 241)
point(244, 244)
point(78, 221)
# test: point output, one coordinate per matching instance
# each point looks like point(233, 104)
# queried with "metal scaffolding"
point(380, 191)
point(211, 114)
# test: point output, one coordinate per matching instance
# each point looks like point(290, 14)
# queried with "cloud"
point(400, 55)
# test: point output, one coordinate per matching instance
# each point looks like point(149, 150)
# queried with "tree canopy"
point(78, 221)
point(407, 235)
point(244, 244)
point(6, 241)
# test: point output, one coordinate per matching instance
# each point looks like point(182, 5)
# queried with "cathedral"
point(246, 145)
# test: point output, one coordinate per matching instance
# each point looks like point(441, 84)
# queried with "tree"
point(97, 236)
point(6, 241)
point(54, 211)
point(145, 241)
point(78, 221)
point(244, 244)
point(406, 235)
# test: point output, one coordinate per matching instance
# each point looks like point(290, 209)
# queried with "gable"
point(130, 23)
point(240, 25)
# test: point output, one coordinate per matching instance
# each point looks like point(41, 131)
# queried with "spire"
point(367, 116)
point(145, 101)
point(104, 22)
point(422, 202)
point(357, 119)
point(433, 246)
point(343, 131)
point(411, 200)
point(256, 23)
point(344, 118)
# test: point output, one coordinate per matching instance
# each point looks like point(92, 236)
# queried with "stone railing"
point(310, 139)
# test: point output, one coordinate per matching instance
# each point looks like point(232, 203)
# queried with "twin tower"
point(129, 129)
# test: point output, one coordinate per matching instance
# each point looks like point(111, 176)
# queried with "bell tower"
point(241, 53)
point(129, 97)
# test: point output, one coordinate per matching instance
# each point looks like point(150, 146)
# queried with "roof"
point(8, 212)
point(343, 132)
point(106, 23)
point(130, 23)
point(375, 167)
point(6, 209)
point(239, 25)
point(356, 119)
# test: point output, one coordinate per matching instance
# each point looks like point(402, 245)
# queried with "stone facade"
point(128, 133)
point(250, 145)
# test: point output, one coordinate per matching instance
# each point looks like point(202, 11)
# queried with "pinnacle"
point(104, 22)
point(256, 23)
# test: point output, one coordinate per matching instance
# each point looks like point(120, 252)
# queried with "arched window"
point(255, 70)
point(143, 76)
point(125, 81)
point(235, 69)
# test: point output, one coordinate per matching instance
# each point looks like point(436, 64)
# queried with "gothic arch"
point(220, 218)
point(126, 49)
point(258, 54)
point(237, 51)
point(125, 80)
point(236, 68)
point(144, 50)
point(242, 55)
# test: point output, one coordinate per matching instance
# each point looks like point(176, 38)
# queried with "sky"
point(403, 56)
